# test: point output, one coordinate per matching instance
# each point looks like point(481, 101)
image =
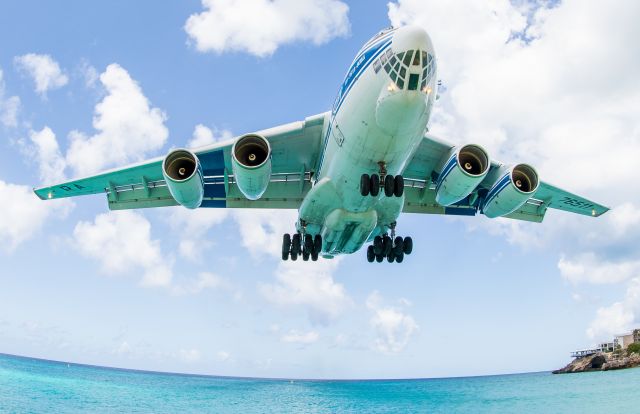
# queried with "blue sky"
point(205, 292)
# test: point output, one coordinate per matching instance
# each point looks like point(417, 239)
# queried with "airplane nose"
point(411, 38)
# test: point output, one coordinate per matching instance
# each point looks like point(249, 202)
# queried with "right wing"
point(421, 175)
point(295, 148)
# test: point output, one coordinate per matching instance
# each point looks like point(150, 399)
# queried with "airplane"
point(349, 172)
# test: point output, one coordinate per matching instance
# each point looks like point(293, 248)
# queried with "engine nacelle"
point(463, 171)
point(183, 174)
point(514, 187)
point(251, 163)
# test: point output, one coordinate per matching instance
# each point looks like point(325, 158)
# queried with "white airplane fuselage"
point(377, 122)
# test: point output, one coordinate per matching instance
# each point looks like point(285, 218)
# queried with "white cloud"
point(203, 135)
point(205, 280)
point(262, 230)
point(259, 27)
point(46, 152)
point(620, 316)
point(311, 286)
point(128, 128)
point(193, 227)
point(393, 327)
point(190, 355)
point(45, 71)
point(89, 73)
point(23, 214)
point(588, 267)
point(223, 356)
point(9, 106)
point(121, 241)
point(303, 338)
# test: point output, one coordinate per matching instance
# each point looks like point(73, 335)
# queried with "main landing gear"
point(306, 245)
point(372, 184)
point(393, 247)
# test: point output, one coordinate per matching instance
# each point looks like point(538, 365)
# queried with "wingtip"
point(38, 191)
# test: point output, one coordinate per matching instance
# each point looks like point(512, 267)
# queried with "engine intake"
point(511, 191)
point(251, 164)
point(183, 174)
point(463, 171)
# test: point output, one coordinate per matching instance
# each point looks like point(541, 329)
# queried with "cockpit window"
point(416, 59)
point(414, 78)
point(407, 58)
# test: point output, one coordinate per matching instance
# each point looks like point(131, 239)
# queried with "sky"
point(95, 85)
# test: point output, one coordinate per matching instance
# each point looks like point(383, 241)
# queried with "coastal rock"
point(601, 362)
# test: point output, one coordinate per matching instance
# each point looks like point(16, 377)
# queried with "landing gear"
point(307, 246)
point(393, 248)
point(372, 184)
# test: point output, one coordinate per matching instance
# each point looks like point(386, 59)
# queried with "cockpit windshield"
point(400, 64)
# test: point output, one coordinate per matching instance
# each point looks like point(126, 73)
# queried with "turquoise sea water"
point(37, 386)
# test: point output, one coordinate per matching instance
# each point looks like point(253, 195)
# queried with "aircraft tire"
point(378, 246)
point(317, 244)
point(379, 258)
point(296, 245)
point(387, 244)
point(365, 185)
point(286, 246)
point(294, 256)
point(389, 185)
point(398, 245)
point(400, 257)
point(305, 256)
point(371, 255)
point(314, 257)
point(408, 245)
point(374, 188)
point(398, 188)
point(391, 257)
point(308, 243)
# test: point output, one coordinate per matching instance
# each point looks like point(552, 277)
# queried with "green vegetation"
point(634, 348)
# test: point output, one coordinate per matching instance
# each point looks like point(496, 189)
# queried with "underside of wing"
point(294, 153)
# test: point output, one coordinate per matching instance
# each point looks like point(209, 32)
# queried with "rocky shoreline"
point(601, 361)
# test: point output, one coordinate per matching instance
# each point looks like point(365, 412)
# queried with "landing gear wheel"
point(296, 245)
point(398, 245)
point(365, 185)
point(400, 257)
point(408, 245)
point(375, 185)
point(379, 258)
point(308, 243)
point(391, 256)
point(398, 188)
point(286, 246)
point(378, 247)
point(294, 256)
point(389, 185)
point(387, 245)
point(371, 256)
point(314, 257)
point(317, 244)
point(305, 256)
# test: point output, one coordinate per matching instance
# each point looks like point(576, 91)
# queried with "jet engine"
point(251, 164)
point(514, 187)
point(463, 171)
point(183, 174)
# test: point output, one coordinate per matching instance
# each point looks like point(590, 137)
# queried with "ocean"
point(37, 386)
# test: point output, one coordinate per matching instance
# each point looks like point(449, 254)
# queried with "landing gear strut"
point(391, 247)
point(301, 244)
point(372, 184)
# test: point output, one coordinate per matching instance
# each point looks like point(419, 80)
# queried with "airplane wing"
point(420, 192)
point(295, 148)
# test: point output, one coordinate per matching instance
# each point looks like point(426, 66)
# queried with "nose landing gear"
point(392, 247)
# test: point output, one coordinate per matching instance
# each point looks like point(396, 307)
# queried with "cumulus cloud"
point(46, 152)
point(393, 327)
point(259, 27)
point(310, 286)
point(302, 338)
point(204, 280)
point(9, 106)
point(23, 214)
point(44, 71)
point(203, 135)
point(618, 317)
point(588, 267)
point(193, 227)
point(128, 128)
point(121, 241)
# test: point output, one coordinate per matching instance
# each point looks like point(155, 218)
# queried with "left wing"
point(295, 149)
point(420, 176)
